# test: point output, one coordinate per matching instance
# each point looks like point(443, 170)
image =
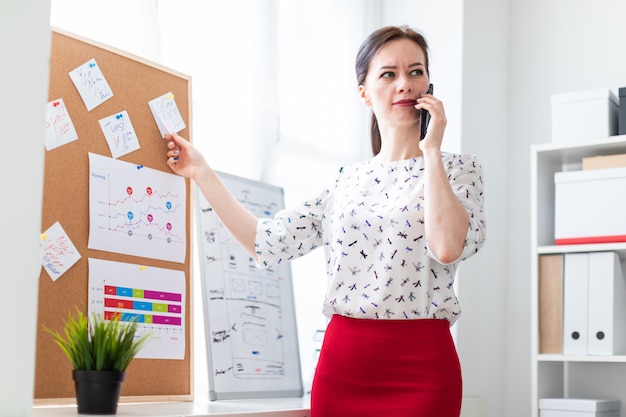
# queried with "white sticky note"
point(166, 114)
point(120, 134)
point(58, 253)
point(91, 84)
point(59, 127)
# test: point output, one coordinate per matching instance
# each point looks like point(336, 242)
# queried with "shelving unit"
point(555, 375)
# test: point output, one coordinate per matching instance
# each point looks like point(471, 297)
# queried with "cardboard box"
point(584, 115)
point(605, 161)
point(589, 206)
point(578, 407)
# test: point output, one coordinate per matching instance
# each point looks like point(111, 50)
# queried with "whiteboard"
point(251, 337)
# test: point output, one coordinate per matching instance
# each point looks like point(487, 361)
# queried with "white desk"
point(275, 407)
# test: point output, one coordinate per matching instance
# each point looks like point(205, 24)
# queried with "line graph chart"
point(136, 210)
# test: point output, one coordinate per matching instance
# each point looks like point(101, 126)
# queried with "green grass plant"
point(102, 345)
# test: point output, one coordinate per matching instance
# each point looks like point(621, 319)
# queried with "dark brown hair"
point(369, 48)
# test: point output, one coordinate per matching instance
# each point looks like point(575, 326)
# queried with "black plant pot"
point(97, 392)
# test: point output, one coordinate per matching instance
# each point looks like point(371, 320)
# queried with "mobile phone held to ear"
point(425, 116)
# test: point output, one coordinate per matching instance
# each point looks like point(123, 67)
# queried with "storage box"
point(589, 206)
point(605, 161)
point(590, 114)
point(621, 124)
point(578, 407)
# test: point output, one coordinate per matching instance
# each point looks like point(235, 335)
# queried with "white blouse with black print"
point(371, 224)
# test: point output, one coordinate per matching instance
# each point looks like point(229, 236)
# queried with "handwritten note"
point(91, 84)
point(59, 127)
point(58, 253)
point(166, 114)
point(119, 133)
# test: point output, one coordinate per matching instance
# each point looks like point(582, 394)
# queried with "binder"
point(607, 305)
point(551, 304)
point(575, 303)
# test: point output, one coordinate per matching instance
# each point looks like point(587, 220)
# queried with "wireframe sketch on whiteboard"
point(249, 312)
point(154, 297)
point(136, 210)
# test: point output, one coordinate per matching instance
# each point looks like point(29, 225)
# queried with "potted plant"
point(100, 351)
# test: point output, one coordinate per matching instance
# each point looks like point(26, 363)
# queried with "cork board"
point(134, 82)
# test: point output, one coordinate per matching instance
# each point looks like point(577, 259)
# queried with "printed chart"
point(154, 297)
point(136, 210)
point(249, 312)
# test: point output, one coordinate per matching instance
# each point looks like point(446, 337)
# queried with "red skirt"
point(399, 368)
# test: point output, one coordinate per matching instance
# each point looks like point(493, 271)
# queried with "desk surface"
point(275, 407)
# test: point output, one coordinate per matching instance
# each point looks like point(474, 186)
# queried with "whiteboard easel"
point(252, 343)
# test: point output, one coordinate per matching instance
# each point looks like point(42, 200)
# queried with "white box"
point(578, 407)
point(589, 206)
point(584, 115)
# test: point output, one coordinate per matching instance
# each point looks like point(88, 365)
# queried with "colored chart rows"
point(139, 293)
point(142, 305)
point(142, 318)
point(137, 301)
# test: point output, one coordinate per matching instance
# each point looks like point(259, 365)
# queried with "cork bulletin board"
point(134, 82)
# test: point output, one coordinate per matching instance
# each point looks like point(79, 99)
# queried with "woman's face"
point(396, 77)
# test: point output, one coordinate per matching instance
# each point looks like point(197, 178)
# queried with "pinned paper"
point(119, 133)
point(58, 253)
point(91, 84)
point(166, 114)
point(155, 297)
point(59, 127)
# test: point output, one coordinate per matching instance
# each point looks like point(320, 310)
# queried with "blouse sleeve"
point(291, 233)
point(466, 179)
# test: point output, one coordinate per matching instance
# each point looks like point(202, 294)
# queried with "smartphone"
point(425, 116)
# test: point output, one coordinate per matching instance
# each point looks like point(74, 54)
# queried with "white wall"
point(441, 22)
point(25, 46)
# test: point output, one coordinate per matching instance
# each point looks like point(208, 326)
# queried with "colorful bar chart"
point(137, 301)
point(153, 297)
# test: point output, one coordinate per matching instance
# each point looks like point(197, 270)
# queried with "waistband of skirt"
point(399, 325)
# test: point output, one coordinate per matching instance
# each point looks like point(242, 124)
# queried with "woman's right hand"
point(183, 158)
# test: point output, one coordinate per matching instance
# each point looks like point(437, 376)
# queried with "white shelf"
point(556, 375)
point(620, 248)
point(572, 152)
point(587, 358)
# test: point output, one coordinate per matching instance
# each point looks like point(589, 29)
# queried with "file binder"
point(551, 304)
point(575, 303)
point(607, 305)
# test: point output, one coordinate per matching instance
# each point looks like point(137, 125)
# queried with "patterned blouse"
point(371, 225)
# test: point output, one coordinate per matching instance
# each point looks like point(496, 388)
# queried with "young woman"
point(394, 229)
